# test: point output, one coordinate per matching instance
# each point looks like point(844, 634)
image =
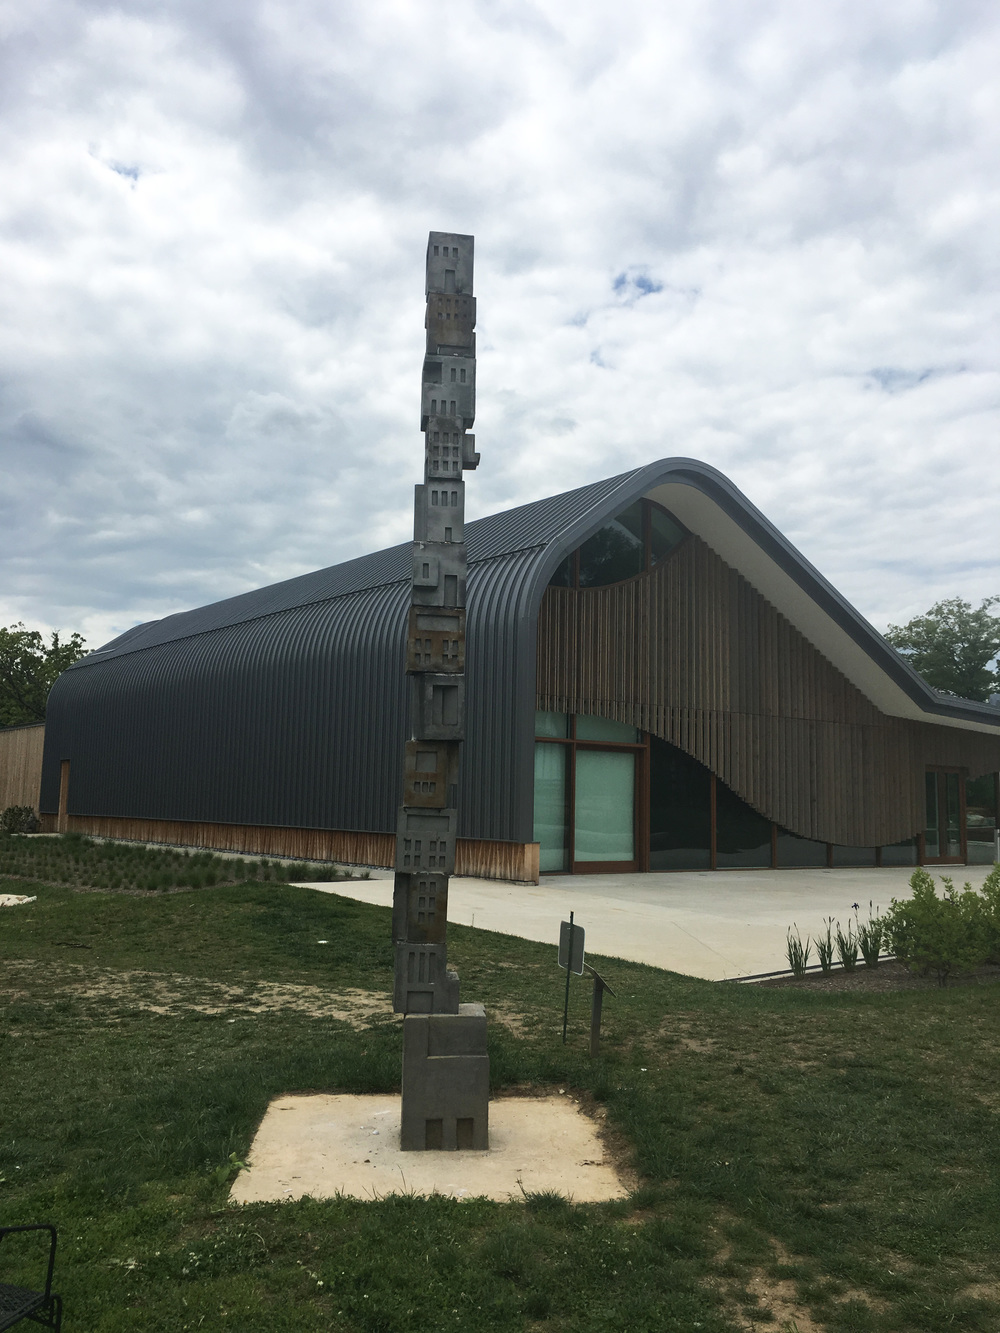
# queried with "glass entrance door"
point(604, 810)
point(944, 825)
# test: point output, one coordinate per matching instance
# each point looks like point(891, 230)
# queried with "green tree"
point(28, 669)
point(952, 647)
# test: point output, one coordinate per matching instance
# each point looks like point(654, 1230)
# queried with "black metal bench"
point(17, 1303)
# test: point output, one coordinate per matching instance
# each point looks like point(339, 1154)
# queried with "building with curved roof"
point(656, 679)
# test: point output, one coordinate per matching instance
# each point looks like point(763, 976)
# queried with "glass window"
point(795, 852)
point(590, 728)
point(953, 805)
point(680, 809)
point(550, 805)
point(981, 819)
point(563, 577)
point(853, 856)
point(932, 838)
point(742, 836)
point(900, 853)
point(605, 805)
point(552, 724)
point(615, 552)
point(664, 533)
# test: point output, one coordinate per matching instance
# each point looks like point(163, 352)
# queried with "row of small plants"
point(931, 934)
point(78, 861)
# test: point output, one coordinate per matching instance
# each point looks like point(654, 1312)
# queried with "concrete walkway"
point(707, 924)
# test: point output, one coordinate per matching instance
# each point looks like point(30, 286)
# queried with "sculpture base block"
point(446, 1081)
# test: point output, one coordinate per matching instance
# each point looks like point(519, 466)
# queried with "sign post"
point(600, 986)
point(571, 958)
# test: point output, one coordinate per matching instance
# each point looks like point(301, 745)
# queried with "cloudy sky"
point(764, 235)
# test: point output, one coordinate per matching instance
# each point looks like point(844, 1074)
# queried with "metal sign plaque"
point(571, 947)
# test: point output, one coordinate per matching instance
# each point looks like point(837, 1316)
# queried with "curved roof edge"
point(545, 531)
point(714, 509)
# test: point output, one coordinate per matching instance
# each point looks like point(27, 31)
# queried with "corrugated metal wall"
point(693, 654)
point(295, 719)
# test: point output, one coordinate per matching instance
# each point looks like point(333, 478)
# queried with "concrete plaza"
point(711, 924)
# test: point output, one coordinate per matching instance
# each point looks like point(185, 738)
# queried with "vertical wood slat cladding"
point(21, 765)
point(695, 655)
point(473, 856)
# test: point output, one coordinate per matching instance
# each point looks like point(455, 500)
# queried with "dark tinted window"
point(680, 809)
point(900, 853)
point(853, 856)
point(794, 851)
point(615, 552)
point(563, 577)
point(743, 837)
point(664, 533)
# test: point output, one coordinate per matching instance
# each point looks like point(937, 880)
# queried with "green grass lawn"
point(810, 1161)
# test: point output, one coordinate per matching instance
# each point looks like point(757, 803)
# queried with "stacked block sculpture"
point(445, 1065)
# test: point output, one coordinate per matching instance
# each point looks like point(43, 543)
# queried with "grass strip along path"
point(804, 1160)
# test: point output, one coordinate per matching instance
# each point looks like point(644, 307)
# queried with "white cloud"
point(764, 237)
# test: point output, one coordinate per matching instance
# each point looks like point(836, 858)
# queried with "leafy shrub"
point(871, 936)
point(990, 894)
point(940, 936)
point(19, 819)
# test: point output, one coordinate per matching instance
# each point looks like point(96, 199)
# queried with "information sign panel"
point(571, 946)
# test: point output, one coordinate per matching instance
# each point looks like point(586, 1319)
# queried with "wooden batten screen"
point(693, 654)
point(21, 765)
point(491, 860)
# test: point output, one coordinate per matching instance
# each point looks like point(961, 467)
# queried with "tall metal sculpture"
point(445, 1065)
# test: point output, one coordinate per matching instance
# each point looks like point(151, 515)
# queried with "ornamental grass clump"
point(847, 948)
point(798, 953)
point(824, 946)
point(943, 936)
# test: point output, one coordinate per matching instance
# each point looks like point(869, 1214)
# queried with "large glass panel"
point(664, 533)
point(605, 805)
point(742, 836)
point(853, 856)
point(981, 819)
point(953, 808)
point(615, 552)
point(563, 577)
point(550, 805)
point(680, 809)
point(589, 728)
point(552, 724)
point(795, 852)
point(900, 853)
point(932, 838)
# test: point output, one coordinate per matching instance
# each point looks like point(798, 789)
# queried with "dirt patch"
point(173, 995)
point(885, 977)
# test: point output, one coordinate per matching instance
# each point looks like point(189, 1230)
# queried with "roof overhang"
point(709, 505)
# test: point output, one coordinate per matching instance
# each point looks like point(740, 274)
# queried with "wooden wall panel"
point(21, 765)
point(692, 653)
point(491, 860)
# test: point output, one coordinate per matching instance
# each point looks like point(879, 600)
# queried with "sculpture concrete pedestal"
point(446, 1081)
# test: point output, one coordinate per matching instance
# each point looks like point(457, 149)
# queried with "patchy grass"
point(131, 868)
point(825, 1161)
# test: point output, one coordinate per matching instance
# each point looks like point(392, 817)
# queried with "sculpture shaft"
point(435, 642)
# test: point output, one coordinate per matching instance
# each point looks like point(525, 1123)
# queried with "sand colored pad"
point(323, 1145)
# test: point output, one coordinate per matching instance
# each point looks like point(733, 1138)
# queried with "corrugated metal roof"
point(525, 528)
point(287, 706)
